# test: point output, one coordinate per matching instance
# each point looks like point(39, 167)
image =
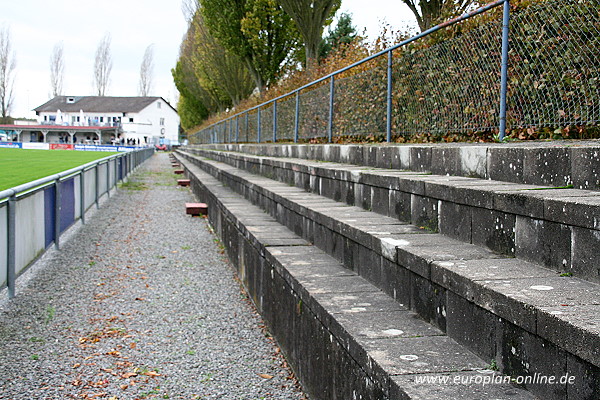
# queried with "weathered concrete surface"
point(561, 221)
point(344, 336)
point(433, 296)
point(555, 163)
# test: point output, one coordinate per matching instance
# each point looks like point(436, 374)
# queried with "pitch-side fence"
point(33, 216)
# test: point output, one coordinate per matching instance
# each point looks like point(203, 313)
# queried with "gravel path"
point(139, 303)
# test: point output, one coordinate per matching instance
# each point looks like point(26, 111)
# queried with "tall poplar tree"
point(311, 17)
point(258, 31)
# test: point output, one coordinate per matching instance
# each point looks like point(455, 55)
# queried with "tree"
point(217, 68)
point(102, 65)
point(310, 17)
point(430, 12)
point(189, 9)
point(8, 63)
point(189, 81)
point(343, 33)
point(258, 31)
point(57, 70)
point(146, 71)
point(190, 108)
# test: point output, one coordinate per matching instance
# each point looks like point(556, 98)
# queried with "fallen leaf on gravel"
point(113, 353)
point(151, 373)
point(77, 365)
point(123, 387)
point(128, 375)
point(265, 376)
point(140, 298)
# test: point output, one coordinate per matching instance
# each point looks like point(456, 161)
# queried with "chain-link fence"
point(452, 86)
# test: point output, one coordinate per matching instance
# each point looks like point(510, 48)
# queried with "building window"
point(101, 119)
point(70, 100)
point(130, 119)
point(162, 121)
point(159, 104)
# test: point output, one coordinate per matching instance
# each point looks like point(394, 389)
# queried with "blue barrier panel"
point(67, 204)
point(12, 145)
point(49, 218)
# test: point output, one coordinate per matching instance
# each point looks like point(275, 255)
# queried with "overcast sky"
point(37, 26)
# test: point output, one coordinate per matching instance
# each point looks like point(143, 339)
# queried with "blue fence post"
point(258, 124)
point(57, 207)
point(97, 170)
point(297, 117)
point(388, 122)
point(275, 121)
point(11, 243)
point(82, 195)
point(117, 162)
point(504, 69)
point(229, 132)
point(247, 126)
point(331, 96)
point(108, 174)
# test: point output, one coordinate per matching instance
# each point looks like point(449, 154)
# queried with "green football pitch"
point(18, 166)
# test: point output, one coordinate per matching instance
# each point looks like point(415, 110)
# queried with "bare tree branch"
point(146, 71)
point(57, 70)
point(430, 12)
point(103, 65)
point(189, 8)
point(8, 63)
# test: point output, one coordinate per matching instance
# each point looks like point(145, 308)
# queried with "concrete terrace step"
point(345, 337)
point(557, 228)
point(547, 163)
point(525, 317)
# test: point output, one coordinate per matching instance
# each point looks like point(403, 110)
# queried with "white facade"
point(155, 123)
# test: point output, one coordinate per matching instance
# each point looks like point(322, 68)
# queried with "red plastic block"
point(183, 182)
point(196, 208)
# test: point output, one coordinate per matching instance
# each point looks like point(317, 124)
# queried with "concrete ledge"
point(513, 219)
point(343, 336)
point(547, 163)
point(433, 279)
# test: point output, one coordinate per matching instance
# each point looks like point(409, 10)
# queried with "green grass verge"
point(18, 166)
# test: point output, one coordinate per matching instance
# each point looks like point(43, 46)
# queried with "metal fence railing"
point(538, 66)
point(33, 216)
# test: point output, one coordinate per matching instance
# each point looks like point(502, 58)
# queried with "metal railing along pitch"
point(33, 216)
